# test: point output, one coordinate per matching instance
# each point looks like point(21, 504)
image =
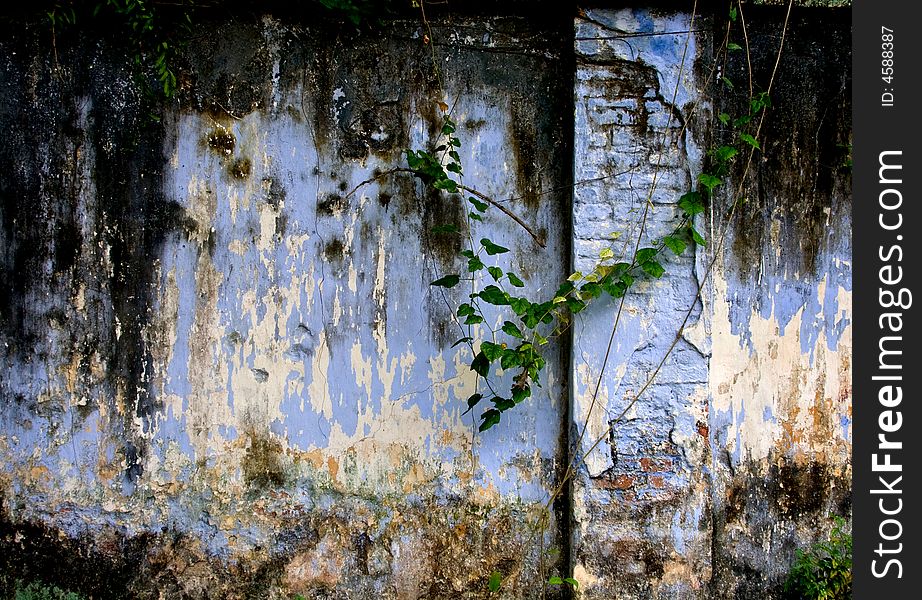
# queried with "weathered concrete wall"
point(220, 368)
point(780, 377)
point(223, 375)
point(740, 448)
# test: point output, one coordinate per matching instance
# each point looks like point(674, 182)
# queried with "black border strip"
point(885, 275)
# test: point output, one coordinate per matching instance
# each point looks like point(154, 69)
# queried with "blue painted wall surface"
point(298, 382)
point(224, 372)
point(738, 451)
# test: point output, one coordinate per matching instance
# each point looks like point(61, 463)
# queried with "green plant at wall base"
point(40, 591)
point(495, 582)
point(824, 571)
point(564, 580)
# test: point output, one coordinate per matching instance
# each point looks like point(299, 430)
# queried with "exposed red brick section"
point(620, 482)
point(650, 465)
point(702, 429)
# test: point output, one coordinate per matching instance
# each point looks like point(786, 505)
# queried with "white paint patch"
point(777, 400)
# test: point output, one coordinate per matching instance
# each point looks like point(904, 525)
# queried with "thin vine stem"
point(739, 4)
point(538, 239)
point(378, 176)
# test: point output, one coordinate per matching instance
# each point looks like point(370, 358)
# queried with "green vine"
point(531, 324)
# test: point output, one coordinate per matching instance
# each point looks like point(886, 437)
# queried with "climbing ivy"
point(529, 324)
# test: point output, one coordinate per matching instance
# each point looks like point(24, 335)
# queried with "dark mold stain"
point(241, 168)
point(67, 243)
point(275, 192)
point(789, 490)
point(299, 352)
point(475, 125)
point(366, 232)
point(334, 251)
point(361, 89)
point(112, 565)
point(310, 61)
point(652, 559)
point(632, 80)
point(281, 225)
point(131, 459)
point(781, 506)
point(373, 129)
point(295, 113)
point(331, 205)
point(361, 543)
point(443, 209)
point(262, 464)
point(35, 552)
point(523, 139)
point(104, 245)
point(542, 234)
point(172, 216)
point(407, 195)
point(222, 142)
point(795, 182)
point(231, 69)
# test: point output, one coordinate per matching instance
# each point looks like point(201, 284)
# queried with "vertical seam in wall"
point(566, 523)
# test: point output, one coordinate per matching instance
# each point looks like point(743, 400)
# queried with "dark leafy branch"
point(458, 188)
point(157, 32)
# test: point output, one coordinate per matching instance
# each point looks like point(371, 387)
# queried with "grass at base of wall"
point(41, 591)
